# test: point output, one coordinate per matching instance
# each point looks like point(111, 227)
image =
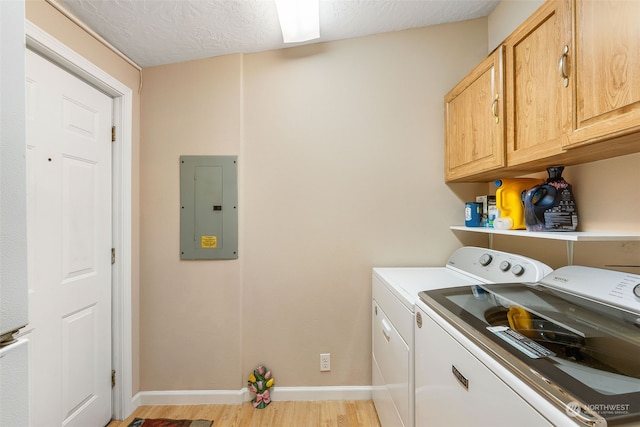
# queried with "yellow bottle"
point(509, 200)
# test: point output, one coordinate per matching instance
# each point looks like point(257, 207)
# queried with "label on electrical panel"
point(208, 242)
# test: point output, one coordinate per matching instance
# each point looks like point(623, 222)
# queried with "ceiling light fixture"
point(299, 20)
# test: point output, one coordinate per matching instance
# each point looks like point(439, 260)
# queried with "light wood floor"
point(339, 413)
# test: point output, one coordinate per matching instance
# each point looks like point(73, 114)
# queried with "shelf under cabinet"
point(569, 236)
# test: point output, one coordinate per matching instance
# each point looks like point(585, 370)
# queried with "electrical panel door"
point(208, 207)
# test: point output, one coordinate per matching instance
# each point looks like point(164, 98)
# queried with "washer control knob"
point(505, 266)
point(486, 259)
point(636, 290)
point(518, 270)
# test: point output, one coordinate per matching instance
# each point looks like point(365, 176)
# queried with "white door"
point(69, 244)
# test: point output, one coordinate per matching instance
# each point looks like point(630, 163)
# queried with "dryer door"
point(391, 358)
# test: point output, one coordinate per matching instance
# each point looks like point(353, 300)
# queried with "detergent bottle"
point(551, 206)
point(510, 201)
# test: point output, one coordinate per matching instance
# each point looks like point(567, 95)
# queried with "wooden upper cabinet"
point(538, 96)
point(570, 94)
point(474, 122)
point(606, 70)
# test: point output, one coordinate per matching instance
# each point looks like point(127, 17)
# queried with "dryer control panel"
point(491, 266)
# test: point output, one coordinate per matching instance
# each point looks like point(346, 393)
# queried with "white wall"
point(340, 168)
point(506, 17)
point(344, 171)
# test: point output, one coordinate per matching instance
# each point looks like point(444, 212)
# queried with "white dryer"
point(395, 293)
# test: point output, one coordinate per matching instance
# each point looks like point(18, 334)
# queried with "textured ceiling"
point(156, 32)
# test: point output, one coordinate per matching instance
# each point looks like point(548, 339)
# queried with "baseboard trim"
point(236, 397)
point(321, 393)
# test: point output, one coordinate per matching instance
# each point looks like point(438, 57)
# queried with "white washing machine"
point(560, 352)
point(395, 293)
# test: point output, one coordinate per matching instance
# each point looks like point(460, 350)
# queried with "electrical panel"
point(208, 207)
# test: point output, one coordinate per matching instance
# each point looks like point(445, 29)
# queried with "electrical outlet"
point(325, 362)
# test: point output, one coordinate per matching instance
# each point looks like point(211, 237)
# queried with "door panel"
point(474, 122)
point(69, 241)
point(607, 70)
point(78, 255)
point(538, 102)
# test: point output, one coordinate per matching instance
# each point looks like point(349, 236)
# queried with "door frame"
point(121, 320)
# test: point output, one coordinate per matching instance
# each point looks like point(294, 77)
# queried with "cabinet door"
point(474, 122)
point(538, 95)
point(607, 69)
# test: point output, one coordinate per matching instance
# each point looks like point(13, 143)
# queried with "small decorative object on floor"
point(165, 422)
point(260, 381)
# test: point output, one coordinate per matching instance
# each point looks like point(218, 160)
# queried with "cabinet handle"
point(386, 330)
point(494, 108)
point(563, 66)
